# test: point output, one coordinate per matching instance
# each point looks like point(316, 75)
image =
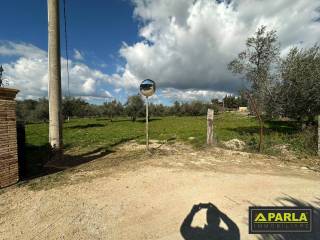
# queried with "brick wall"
point(9, 173)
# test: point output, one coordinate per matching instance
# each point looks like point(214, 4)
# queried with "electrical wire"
point(66, 44)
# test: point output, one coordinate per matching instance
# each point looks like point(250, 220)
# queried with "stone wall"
point(9, 173)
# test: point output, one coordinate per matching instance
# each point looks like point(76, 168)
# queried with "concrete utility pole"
point(54, 88)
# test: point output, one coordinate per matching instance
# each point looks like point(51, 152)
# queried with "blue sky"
point(95, 29)
point(183, 45)
point(98, 28)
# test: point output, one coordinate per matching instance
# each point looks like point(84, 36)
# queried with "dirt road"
point(148, 197)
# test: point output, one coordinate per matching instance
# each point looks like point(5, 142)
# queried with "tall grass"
point(83, 135)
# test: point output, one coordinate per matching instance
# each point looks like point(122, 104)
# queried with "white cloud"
point(107, 94)
point(21, 50)
point(187, 44)
point(117, 90)
point(78, 55)
point(89, 86)
point(28, 73)
point(185, 48)
point(103, 65)
point(191, 94)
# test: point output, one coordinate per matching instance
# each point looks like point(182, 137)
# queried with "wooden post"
point(210, 126)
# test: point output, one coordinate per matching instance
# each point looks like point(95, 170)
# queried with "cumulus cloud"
point(187, 44)
point(8, 48)
point(77, 55)
point(191, 94)
point(28, 73)
point(185, 47)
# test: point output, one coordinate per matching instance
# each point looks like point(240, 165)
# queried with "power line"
point(66, 43)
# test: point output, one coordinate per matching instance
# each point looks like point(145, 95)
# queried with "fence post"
point(210, 126)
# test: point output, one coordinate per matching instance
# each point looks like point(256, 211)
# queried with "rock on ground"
point(234, 144)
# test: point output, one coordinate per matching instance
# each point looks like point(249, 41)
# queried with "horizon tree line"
point(29, 110)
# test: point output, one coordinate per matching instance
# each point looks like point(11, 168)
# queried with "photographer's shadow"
point(212, 230)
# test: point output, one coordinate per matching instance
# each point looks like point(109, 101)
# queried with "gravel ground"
point(149, 195)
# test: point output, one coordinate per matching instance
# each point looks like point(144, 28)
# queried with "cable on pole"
point(66, 44)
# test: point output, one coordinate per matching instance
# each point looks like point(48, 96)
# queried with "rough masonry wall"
point(9, 173)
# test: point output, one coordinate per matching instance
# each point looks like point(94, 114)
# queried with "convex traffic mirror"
point(147, 87)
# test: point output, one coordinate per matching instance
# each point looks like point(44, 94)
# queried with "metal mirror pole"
point(147, 123)
point(147, 89)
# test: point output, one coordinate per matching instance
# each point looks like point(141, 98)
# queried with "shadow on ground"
point(212, 230)
point(114, 119)
point(150, 120)
point(37, 160)
point(283, 126)
point(142, 120)
point(314, 235)
point(91, 125)
point(271, 127)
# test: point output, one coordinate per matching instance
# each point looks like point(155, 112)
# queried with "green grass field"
point(82, 136)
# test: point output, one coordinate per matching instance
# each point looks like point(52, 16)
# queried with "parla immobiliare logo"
point(280, 219)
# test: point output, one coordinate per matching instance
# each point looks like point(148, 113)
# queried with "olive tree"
point(257, 64)
point(112, 109)
point(300, 88)
point(135, 107)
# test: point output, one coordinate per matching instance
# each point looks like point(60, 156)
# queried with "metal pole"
point(147, 124)
point(54, 88)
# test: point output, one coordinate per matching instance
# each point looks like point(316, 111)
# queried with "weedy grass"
point(88, 134)
point(82, 136)
point(90, 138)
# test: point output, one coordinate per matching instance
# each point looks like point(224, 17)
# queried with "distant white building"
point(243, 109)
